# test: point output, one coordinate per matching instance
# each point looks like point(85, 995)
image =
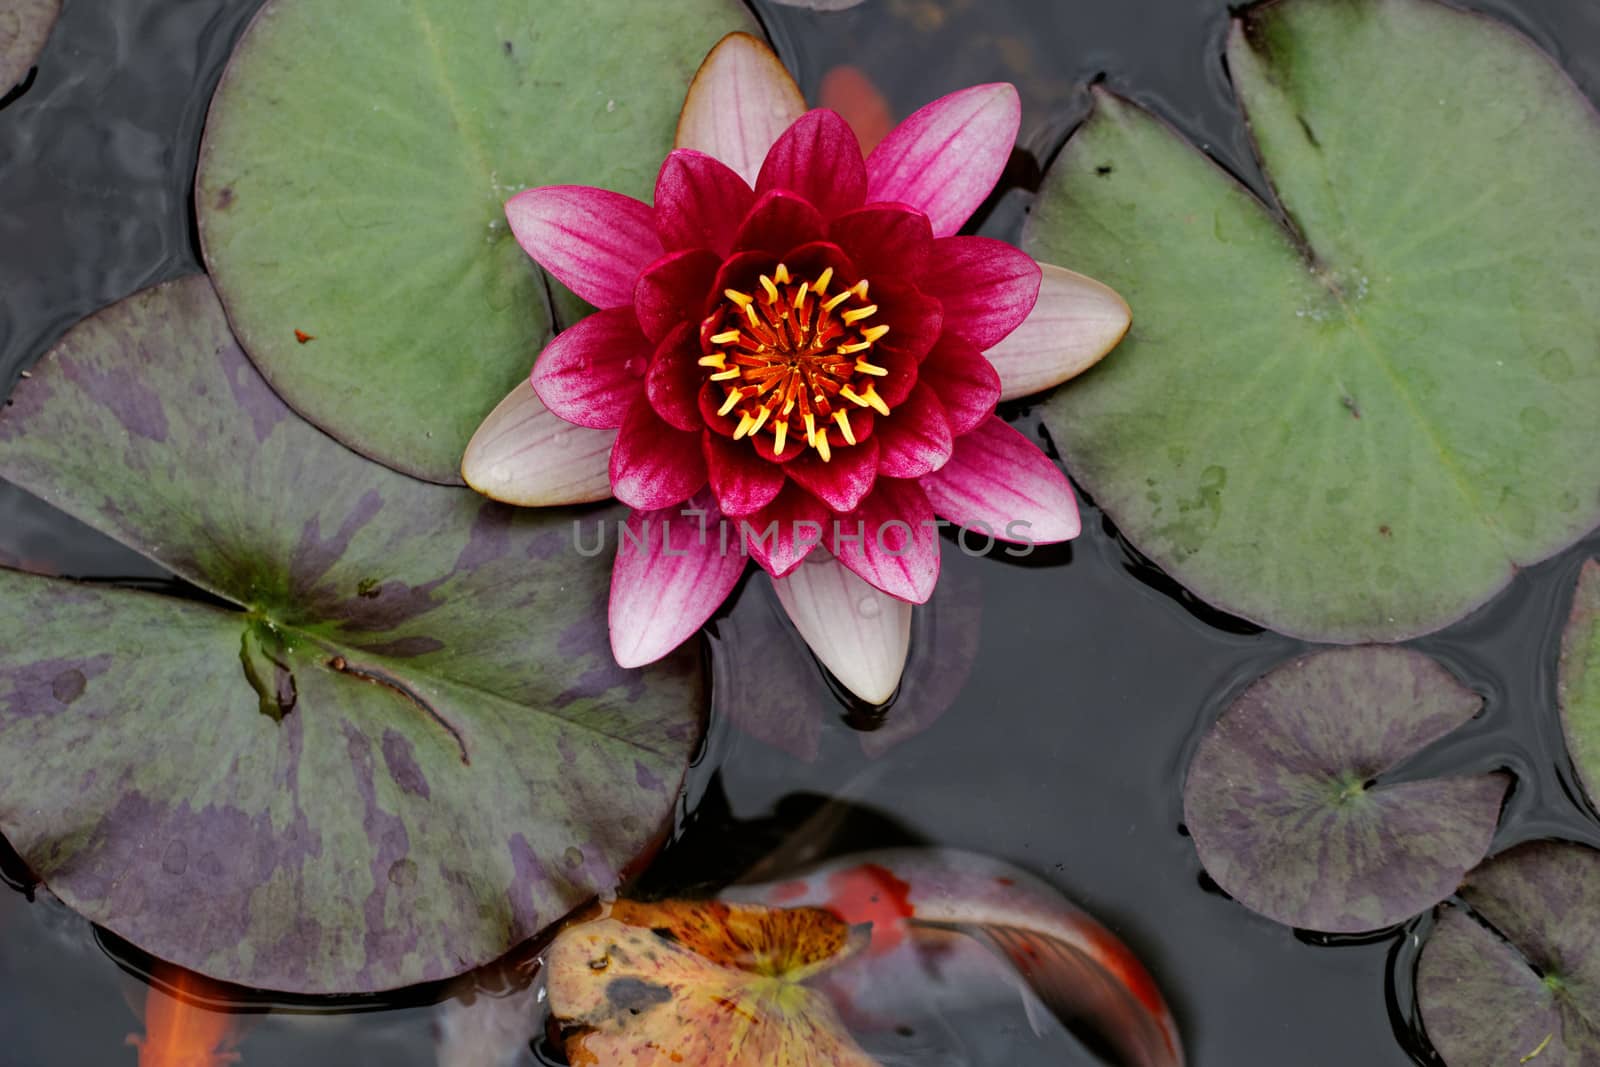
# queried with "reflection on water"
point(1063, 722)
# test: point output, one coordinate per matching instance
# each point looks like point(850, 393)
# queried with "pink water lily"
point(795, 360)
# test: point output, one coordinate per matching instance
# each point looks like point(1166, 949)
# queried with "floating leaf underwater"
point(384, 744)
point(1354, 412)
point(705, 983)
point(24, 27)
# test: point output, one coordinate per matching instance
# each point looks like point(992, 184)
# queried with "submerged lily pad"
point(1352, 415)
point(356, 163)
point(1580, 680)
point(1287, 806)
point(389, 745)
point(704, 983)
point(1518, 980)
point(24, 27)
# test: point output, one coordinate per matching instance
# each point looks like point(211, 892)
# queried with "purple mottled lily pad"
point(392, 746)
point(24, 27)
point(1289, 810)
point(1517, 981)
point(1580, 680)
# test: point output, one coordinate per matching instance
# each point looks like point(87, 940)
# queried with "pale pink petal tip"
point(1075, 323)
point(1000, 482)
point(671, 574)
point(739, 103)
point(524, 454)
point(946, 158)
point(594, 241)
point(861, 634)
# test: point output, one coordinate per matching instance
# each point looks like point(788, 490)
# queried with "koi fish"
point(850, 92)
point(946, 923)
point(178, 1033)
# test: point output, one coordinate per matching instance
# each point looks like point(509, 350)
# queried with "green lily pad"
point(1580, 680)
point(24, 27)
point(355, 166)
point(1289, 809)
point(1518, 980)
point(1353, 414)
point(390, 744)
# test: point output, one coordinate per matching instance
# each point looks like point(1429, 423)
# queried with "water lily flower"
point(796, 360)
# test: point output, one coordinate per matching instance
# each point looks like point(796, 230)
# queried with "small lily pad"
point(387, 744)
point(1517, 980)
point(1289, 810)
point(356, 163)
point(1580, 680)
point(1353, 413)
point(705, 983)
point(24, 27)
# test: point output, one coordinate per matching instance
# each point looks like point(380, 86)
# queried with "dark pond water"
point(1065, 748)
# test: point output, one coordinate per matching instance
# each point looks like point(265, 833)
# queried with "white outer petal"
point(740, 101)
point(527, 455)
point(1075, 323)
point(860, 633)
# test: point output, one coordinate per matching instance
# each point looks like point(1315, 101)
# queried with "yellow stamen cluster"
point(792, 360)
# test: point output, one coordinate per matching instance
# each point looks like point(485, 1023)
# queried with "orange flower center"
point(793, 360)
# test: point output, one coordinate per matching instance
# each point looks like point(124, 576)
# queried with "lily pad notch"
point(1353, 413)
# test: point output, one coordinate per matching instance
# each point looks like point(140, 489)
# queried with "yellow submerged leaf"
point(703, 983)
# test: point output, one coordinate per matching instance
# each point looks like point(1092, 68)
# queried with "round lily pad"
point(24, 27)
point(704, 983)
point(1354, 412)
point(1580, 680)
point(387, 744)
point(1517, 981)
point(352, 181)
point(1289, 808)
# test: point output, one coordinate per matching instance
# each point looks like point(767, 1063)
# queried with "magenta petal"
point(987, 287)
point(999, 482)
point(743, 481)
point(966, 382)
point(675, 378)
point(842, 481)
point(780, 221)
point(915, 321)
point(819, 158)
point(892, 540)
point(653, 464)
point(595, 241)
point(884, 240)
point(699, 202)
point(670, 576)
point(591, 373)
point(740, 102)
point(784, 532)
point(946, 158)
point(673, 290)
point(916, 439)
